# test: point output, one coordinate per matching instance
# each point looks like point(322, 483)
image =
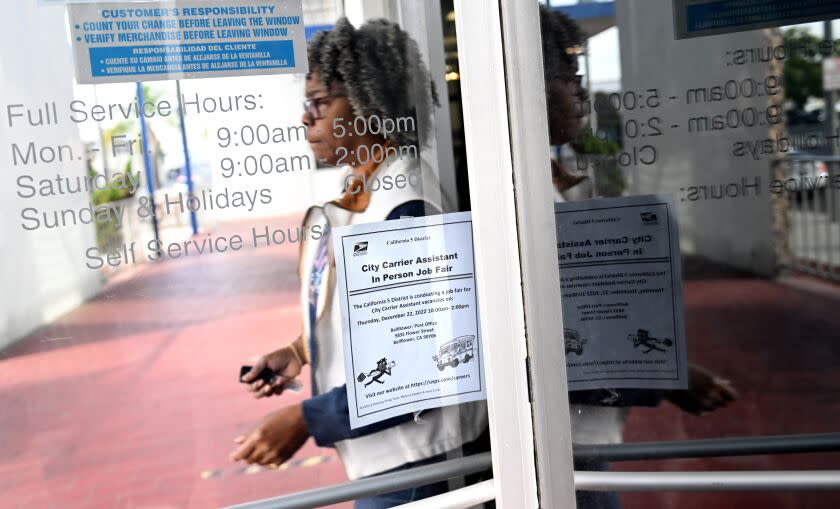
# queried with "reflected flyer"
point(621, 281)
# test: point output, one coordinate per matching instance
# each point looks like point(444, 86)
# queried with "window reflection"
point(738, 129)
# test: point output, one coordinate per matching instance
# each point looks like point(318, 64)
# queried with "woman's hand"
point(706, 392)
point(284, 363)
point(275, 439)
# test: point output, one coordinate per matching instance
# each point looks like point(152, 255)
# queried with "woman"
point(598, 415)
point(564, 97)
point(357, 75)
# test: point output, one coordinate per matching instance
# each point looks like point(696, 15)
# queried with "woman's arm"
point(617, 397)
point(327, 418)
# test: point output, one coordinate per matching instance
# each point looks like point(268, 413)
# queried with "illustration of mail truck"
point(452, 353)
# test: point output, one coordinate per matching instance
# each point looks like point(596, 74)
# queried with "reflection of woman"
point(564, 94)
point(598, 416)
point(371, 73)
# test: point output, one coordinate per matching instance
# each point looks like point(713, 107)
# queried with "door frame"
point(506, 127)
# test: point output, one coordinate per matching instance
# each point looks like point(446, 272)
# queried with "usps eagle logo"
point(360, 248)
point(649, 218)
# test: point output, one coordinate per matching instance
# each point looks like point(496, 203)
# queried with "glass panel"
point(730, 111)
point(152, 257)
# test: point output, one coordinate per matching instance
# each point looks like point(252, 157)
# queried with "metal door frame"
point(519, 289)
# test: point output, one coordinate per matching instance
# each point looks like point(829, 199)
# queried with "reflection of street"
point(779, 347)
point(132, 399)
point(813, 238)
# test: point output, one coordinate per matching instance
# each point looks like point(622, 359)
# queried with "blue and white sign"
point(66, 2)
point(698, 18)
point(125, 42)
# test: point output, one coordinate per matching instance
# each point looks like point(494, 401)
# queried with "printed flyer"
point(621, 281)
point(409, 315)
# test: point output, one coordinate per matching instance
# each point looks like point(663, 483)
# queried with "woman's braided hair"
point(559, 33)
point(379, 68)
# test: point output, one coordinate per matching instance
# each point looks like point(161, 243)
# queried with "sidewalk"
point(132, 400)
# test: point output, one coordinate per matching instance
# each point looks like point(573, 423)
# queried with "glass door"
point(189, 319)
point(690, 151)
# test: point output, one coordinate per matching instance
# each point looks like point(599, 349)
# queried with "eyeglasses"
point(315, 105)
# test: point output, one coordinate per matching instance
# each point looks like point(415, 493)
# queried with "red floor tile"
point(139, 397)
